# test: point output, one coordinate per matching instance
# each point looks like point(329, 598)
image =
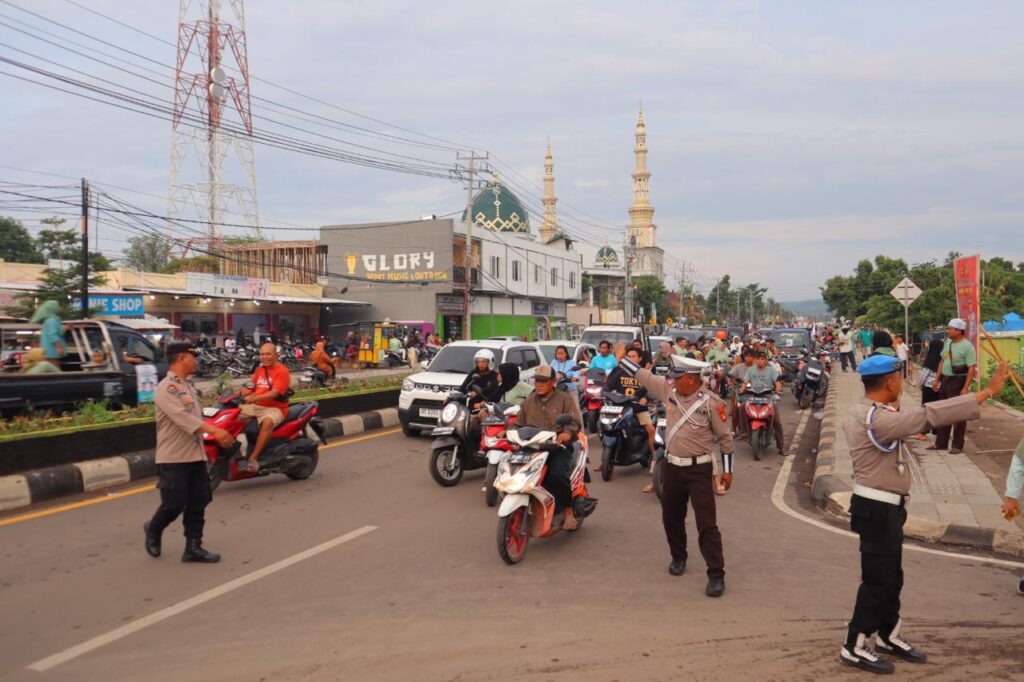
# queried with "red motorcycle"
point(759, 409)
point(290, 451)
point(499, 418)
point(593, 396)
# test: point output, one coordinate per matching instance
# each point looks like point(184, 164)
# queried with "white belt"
point(894, 499)
point(687, 461)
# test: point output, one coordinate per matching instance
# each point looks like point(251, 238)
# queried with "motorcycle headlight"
point(522, 481)
point(449, 412)
point(407, 385)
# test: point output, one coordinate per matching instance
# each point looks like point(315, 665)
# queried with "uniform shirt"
point(876, 468)
point(1015, 477)
point(605, 362)
point(957, 354)
point(276, 378)
point(179, 414)
point(845, 340)
point(708, 424)
point(761, 379)
point(541, 413)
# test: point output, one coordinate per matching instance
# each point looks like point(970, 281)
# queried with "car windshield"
point(790, 339)
point(549, 350)
point(455, 359)
point(596, 336)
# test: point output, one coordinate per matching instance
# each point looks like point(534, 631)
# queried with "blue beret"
point(877, 365)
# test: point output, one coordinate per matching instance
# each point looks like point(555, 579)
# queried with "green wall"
point(485, 326)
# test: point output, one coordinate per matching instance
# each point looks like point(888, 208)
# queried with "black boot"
point(715, 588)
point(152, 541)
point(677, 567)
point(894, 645)
point(194, 552)
point(860, 655)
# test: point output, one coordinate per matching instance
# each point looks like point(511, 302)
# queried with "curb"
point(832, 494)
point(39, 485)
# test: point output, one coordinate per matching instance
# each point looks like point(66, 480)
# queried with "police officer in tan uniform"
point(694, 419)
point(881, 485)
point(180, 460)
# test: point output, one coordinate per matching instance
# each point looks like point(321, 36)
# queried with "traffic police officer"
point(180, 460)
point(694, 419)
point(881, 483)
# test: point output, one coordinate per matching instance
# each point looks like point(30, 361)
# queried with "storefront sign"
point(418, 251)
point(967, 275)
point(395, 267)
point(451, 304)
point(115, 305)
point(226, 285)
point(541, 308)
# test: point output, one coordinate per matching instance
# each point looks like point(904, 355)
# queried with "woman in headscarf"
point(35, 362)
point(926, 377)
point(511, 389)
point(52, 333)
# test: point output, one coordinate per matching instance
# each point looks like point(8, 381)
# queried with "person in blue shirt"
point(563, 366)
point(604, 359)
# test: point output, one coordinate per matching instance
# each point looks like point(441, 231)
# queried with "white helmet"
point(484, 354)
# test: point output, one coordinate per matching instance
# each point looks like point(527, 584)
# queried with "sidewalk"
point(951, 499)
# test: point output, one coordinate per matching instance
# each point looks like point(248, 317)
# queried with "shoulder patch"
point(172, 389)
point(722, 412)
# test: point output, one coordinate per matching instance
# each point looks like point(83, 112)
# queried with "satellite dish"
point(217, 75)
point(217, 90)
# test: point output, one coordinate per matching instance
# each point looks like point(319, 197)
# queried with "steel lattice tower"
point(212, 171)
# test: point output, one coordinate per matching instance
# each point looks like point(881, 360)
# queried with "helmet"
point(484, 354)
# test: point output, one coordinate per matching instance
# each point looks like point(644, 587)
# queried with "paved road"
point(424, 596)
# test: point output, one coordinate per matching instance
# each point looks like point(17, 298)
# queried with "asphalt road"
point(409, 586)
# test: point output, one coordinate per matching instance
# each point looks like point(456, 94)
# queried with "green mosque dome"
point(606, 256)
point(497, 209)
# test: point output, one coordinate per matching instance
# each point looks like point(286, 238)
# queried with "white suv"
point(423, 394)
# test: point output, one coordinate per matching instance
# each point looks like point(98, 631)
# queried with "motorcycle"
point(760, 411)
point(314, 377)
point(528, 510)
point(623, 440)
point(454, 450)
point(593, 390)
point(290, 450)
point(501, 417)
point(811, 384)
point(395, 358)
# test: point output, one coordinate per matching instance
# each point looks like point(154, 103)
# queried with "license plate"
point(518, 459)
point(759, 401)
point(427, 413)
point(611, 409)
point(210, 411)
point(661, 423)
point(490, 421)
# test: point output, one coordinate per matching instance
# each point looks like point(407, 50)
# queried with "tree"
point(62, 282)
point(148, 253)
point(16, 244)
point(650, 291)
point(194, 264)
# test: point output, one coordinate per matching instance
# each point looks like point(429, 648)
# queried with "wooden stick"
point(995, 351)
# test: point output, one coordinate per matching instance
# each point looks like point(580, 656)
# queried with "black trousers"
point(693, 485)
point(556, 480)
point(880, 527)
point(184, 490)
point(848, 357)
point(950, 388)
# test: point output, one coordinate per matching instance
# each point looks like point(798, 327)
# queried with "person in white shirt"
point(903, 353)
point(845, 340)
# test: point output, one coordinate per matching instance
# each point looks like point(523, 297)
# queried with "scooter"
point(394, 358)
point(501, 417)
point(290, 450)
point(455, 448)
point(593, 390)
point(811, 383)
point(314, 377)
point(760, 411)
point(528, 510)
point(623, 440)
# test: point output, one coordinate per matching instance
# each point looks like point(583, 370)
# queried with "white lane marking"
point(778, 499)
point(182, 606)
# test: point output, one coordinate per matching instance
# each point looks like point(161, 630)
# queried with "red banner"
point(967, 279)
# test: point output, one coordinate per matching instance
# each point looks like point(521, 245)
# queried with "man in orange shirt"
point(319, 359)
point(267, 401)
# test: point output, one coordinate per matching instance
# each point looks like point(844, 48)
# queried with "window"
point(530, 358)
point(554, 277)
point(536, 274)
point(495, 266)
point(515, 357)
point(517, 271)
point(572, 279)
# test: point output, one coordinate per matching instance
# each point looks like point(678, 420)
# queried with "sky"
point(788, 140)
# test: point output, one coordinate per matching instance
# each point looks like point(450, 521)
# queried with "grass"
point(98, 415)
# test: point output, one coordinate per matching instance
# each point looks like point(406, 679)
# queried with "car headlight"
point(407, 385)
point(449, 412)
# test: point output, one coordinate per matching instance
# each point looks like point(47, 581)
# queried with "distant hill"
point(813, 306)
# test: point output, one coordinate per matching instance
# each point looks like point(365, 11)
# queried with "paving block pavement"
point(951, 500)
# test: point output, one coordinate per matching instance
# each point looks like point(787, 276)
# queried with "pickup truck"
point(80, 379)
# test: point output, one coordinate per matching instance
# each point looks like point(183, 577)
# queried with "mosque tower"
point(550, 226)
point(641, 213)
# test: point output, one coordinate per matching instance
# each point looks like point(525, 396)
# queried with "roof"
point(497, 209)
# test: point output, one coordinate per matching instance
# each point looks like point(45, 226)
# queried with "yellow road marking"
point(152, 486)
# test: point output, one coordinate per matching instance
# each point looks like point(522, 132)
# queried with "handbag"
point(956, 369)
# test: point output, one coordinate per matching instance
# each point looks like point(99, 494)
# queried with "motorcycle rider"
point(512, 390)
point(604, 359)
point(482, 376)
point(762, 377)
point(718, 352)
point(620, 381)
point(319, 359)
point(540, 410)
point(736, 375)
point(664, 354)
point(682, 346)
point(267, 402)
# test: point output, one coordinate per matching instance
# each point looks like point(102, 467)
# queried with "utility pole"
point(85, 248)
point(471, 169)
point(627, 297)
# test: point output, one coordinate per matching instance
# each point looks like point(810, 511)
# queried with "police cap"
point(176, 349)
point(876, 365)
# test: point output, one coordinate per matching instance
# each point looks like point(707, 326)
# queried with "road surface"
point(370, 571)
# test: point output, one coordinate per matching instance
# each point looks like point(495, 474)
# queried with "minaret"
point(550, 226)
point(641, 213)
